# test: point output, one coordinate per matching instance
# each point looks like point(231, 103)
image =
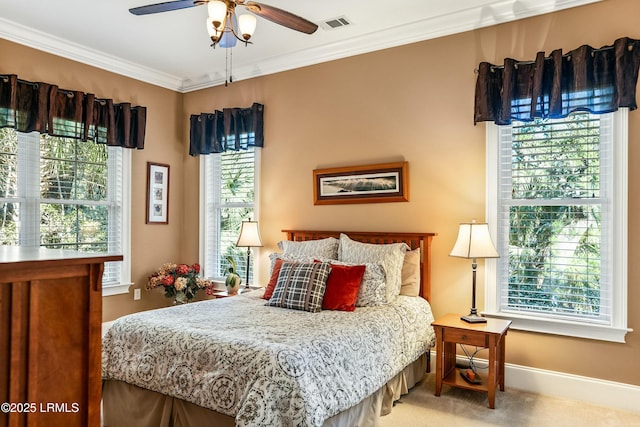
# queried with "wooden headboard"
point(414, 240)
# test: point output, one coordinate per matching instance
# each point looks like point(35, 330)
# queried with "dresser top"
point(15, 254)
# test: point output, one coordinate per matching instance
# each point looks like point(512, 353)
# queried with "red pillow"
point(268, 292)
point(342, 289)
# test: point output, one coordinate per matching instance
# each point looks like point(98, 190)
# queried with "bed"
point(240, 361)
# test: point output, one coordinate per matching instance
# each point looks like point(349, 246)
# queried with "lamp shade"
point(246, 25)
point(217, 13)
point(474, 241)
point(249, 235)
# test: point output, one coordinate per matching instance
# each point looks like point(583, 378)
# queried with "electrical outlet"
point(136, 294)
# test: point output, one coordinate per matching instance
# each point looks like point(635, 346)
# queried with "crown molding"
point(465, 20)
point(67, 49)
point(426, 29)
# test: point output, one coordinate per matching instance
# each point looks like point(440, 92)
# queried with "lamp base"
point(473, 318)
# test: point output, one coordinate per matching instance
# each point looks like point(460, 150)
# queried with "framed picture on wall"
point(387, 182)
point(157, 193)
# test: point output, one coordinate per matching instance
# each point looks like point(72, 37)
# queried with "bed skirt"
point(127, 405)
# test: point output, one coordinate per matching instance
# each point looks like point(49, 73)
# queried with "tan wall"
point(415, 103)
point(411, 103)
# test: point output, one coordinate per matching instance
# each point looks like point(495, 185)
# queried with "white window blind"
point(230, 182)
point(560, 223)
point(556, 208)
point(64, 193)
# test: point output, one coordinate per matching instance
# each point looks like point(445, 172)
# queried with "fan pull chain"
point(228, 67)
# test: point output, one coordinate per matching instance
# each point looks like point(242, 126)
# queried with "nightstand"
point(225, 294)
point(450, 331)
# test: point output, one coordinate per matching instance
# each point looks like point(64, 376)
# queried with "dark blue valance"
point(585, 79)
point(229, 129)
point(47, 109)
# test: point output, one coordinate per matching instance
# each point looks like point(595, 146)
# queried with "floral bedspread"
point(267, 366)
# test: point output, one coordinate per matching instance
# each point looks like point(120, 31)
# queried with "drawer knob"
point(464, 337)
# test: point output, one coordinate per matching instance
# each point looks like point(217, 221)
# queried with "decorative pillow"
point(411, 274)
point(391, 256)
point(275, 272)
point(276, 263)
point(373, 289)
point(321, 248)
point(301, 286)
point(342, 287)
point(290, 257)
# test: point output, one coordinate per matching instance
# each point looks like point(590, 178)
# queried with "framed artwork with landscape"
point(157, 193)
point(385, 182)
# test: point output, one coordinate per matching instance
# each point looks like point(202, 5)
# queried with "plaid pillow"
point(301, 286)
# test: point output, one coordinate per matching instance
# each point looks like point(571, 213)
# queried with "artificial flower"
point(179, 281)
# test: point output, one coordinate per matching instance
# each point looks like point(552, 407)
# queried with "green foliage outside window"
point(72, 200)
point(8, 188)
point(555, 216)
point(236, 199)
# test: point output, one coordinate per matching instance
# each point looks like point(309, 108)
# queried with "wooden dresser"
point(50, 336)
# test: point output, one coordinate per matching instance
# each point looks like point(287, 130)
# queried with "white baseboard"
point(575, 387)
point(568, 386)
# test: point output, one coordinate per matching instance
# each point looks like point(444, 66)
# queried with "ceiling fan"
point(225, 28)
point(273, 14)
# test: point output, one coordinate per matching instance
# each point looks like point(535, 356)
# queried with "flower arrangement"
point(179, 281)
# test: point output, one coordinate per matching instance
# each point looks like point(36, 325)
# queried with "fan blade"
point(165, 7)
point(282, 17)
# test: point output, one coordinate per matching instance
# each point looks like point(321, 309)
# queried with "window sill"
point(561, 327)
point(117, 289)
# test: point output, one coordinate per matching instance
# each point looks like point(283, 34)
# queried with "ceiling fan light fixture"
point(217, 13)
point(247, 25)
point(225, 28)
point(214, 33)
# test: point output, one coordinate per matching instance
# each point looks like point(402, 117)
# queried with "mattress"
point(267, 366)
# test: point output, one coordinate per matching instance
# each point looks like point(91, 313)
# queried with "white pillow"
point(292, 257)
point(321, 248)
point(411, 274)
point(391, 256)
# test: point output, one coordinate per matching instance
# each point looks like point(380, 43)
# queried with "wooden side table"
point(225, 294)
point(450, 331)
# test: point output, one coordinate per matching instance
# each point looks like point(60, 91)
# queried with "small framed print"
point(157, 193)
point(379, 183)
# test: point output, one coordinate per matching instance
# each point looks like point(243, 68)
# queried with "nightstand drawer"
point(479, 339)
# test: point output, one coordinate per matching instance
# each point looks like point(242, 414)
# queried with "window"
point(557, 202)
point(229, 181)
point(63, 193)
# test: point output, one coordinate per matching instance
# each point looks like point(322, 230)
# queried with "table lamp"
point(249, 238)
point(474, 241)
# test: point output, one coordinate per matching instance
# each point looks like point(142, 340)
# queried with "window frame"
point(125, 228)
point(29, 144)
point(617, 329)
point(206, 233)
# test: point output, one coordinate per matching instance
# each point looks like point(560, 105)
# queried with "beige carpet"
point(459, 407)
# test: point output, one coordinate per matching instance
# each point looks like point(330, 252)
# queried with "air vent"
point(334, 23)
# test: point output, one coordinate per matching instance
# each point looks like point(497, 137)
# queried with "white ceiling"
point(172, 49)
